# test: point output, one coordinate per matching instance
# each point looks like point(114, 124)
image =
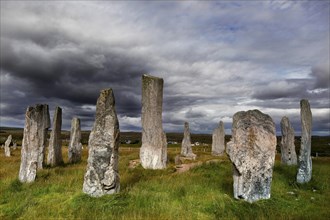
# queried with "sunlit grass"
point(204, 192)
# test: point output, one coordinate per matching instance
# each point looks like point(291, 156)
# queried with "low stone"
point(252, 152)
point(177, 160)
point(102, 169)
point(186, 149)
point(7, 146)
point(304, 174)
point(288, 149)
point(75, 146)
point(218, 140)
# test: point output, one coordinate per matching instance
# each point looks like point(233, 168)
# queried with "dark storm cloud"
point(214, 63)
point(282, 89)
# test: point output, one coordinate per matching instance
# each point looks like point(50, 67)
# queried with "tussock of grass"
point(204, 192)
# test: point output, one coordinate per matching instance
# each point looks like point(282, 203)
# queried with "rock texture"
point(54, 156)
point(252, 152)
point(7, 146)
point(75, 146)
point(153, 152)
point(218, 140)
point(186, 149)
point(304, 174)
point(35, 130)
point(44, 126)
point(102, 169)
point(288, 150)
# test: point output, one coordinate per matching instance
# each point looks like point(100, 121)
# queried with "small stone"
point(218, 140)
point(55, 142)
point(304, 174)
point(177, 160)
point(252, 152)
point(153, 151)
point(288, 149)
point(75, 146)
point(7, 146)
point(186, 149)
point(102, 169)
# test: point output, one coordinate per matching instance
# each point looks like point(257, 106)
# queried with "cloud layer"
point(216, 58)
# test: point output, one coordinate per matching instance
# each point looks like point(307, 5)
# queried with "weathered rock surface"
point(252, 152)
point(153, 152)
point(186, 149)
point(218, 140)
point(102, 170)
point(33, 144)
point(288, 150)
point(43, 135)
point(7, 146)
point(75, 146)
point(54, 156)
point(304, 174)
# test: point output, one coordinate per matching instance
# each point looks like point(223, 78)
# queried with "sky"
point(216, 58)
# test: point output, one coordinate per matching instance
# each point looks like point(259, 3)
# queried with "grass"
point(205, 192)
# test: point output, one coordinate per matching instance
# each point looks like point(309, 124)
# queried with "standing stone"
point(102, 170)
point(288, 150)
point(54, 157)
point(14, 145)
point(252, 152)
point(153, 152)
point(43, 135)
point(7, 146)
point(34, 136)
point(304, 174)
point(186, 149)
point(75, 146)
point(218, 140)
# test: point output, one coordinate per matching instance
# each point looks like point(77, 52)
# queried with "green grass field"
point(204, 192)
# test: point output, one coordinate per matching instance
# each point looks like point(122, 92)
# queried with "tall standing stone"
point(153, 152)
point(33, 144)
point(186, 149)
point(252, 152)
point(288, 150)
point(54, 156)
point(218, 140)
point(7, 146)
point(75, 146)
point(304, 174)
point(102, 170)
point(43, 129)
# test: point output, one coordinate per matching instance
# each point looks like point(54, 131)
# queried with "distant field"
point(204, 192)
point(320, 144)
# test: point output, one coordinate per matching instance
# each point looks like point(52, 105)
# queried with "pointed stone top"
point(106, 94)
point(186, 124)
point(304, 103)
